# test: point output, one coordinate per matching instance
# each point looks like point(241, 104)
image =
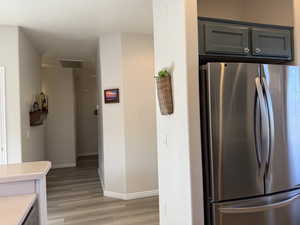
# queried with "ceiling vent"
point(71, 63)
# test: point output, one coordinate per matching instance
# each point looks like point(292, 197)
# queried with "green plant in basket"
point(162, 73)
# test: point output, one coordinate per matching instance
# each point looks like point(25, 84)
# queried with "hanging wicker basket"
point(164, 93)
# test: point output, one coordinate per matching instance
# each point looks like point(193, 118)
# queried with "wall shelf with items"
point(36, 118)
point(39, 110)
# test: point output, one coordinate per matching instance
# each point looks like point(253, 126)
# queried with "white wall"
point(86, 101)
point(179, 147)
point(9, 58)
point(30, 86)
point(60, 137)
point(113, 114)
point(140, 119)
point(129, 131)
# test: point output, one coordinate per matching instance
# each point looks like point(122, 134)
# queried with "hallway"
point(75, 198)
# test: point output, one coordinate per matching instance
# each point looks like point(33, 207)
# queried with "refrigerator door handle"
point(264, 112)
point(260, 208)
point(271, 125)
point(256, 130)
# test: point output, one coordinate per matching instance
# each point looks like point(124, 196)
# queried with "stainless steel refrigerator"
point(250, 116)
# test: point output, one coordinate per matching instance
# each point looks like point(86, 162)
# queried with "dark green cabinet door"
point(226, 39)
point(271, 43)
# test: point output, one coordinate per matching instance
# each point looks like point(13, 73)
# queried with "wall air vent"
point(71, 63)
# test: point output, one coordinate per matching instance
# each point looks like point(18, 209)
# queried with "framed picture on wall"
point(112, 96)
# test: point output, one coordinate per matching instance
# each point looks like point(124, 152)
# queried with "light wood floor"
point(75, 198)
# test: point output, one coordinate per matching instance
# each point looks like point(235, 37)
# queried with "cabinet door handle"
point(246, 50)
point(257, 50)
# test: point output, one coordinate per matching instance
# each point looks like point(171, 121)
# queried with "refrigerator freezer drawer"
point(280, 209)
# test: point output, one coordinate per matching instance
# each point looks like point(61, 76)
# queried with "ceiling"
point(70, 28)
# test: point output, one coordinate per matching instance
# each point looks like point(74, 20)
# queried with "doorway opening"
point(86, 110)
point(71, 128)
point(92, 186)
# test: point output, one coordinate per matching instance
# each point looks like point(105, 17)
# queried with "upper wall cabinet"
point(226, 39)
point(271, 43)
point(223, 40)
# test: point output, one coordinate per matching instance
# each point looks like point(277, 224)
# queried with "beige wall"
point(140, 119)
point(296, 4)
point(228, 9)
point(277, 12)
point(179, 147)
point(30, 86)
point(113, 114)
point(60, 137)
point(23, 80)
point(100, 117)
point(3, 155)
point(86, 101)
point(129, 131)
point(9, 58)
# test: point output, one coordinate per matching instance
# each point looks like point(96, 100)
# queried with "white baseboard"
point(101, 179)
point(111, 194)
point(87, 154)
point(144, 194)
point(131, 196)
point(63, 165)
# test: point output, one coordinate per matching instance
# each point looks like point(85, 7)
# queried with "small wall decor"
point(112, 96)
point(164, 92)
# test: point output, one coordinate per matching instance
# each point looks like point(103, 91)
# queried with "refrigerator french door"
point(282, 85)
point(251, 116)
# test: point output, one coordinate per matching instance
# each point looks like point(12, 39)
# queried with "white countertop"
point(24, 171)
point(14, 209)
